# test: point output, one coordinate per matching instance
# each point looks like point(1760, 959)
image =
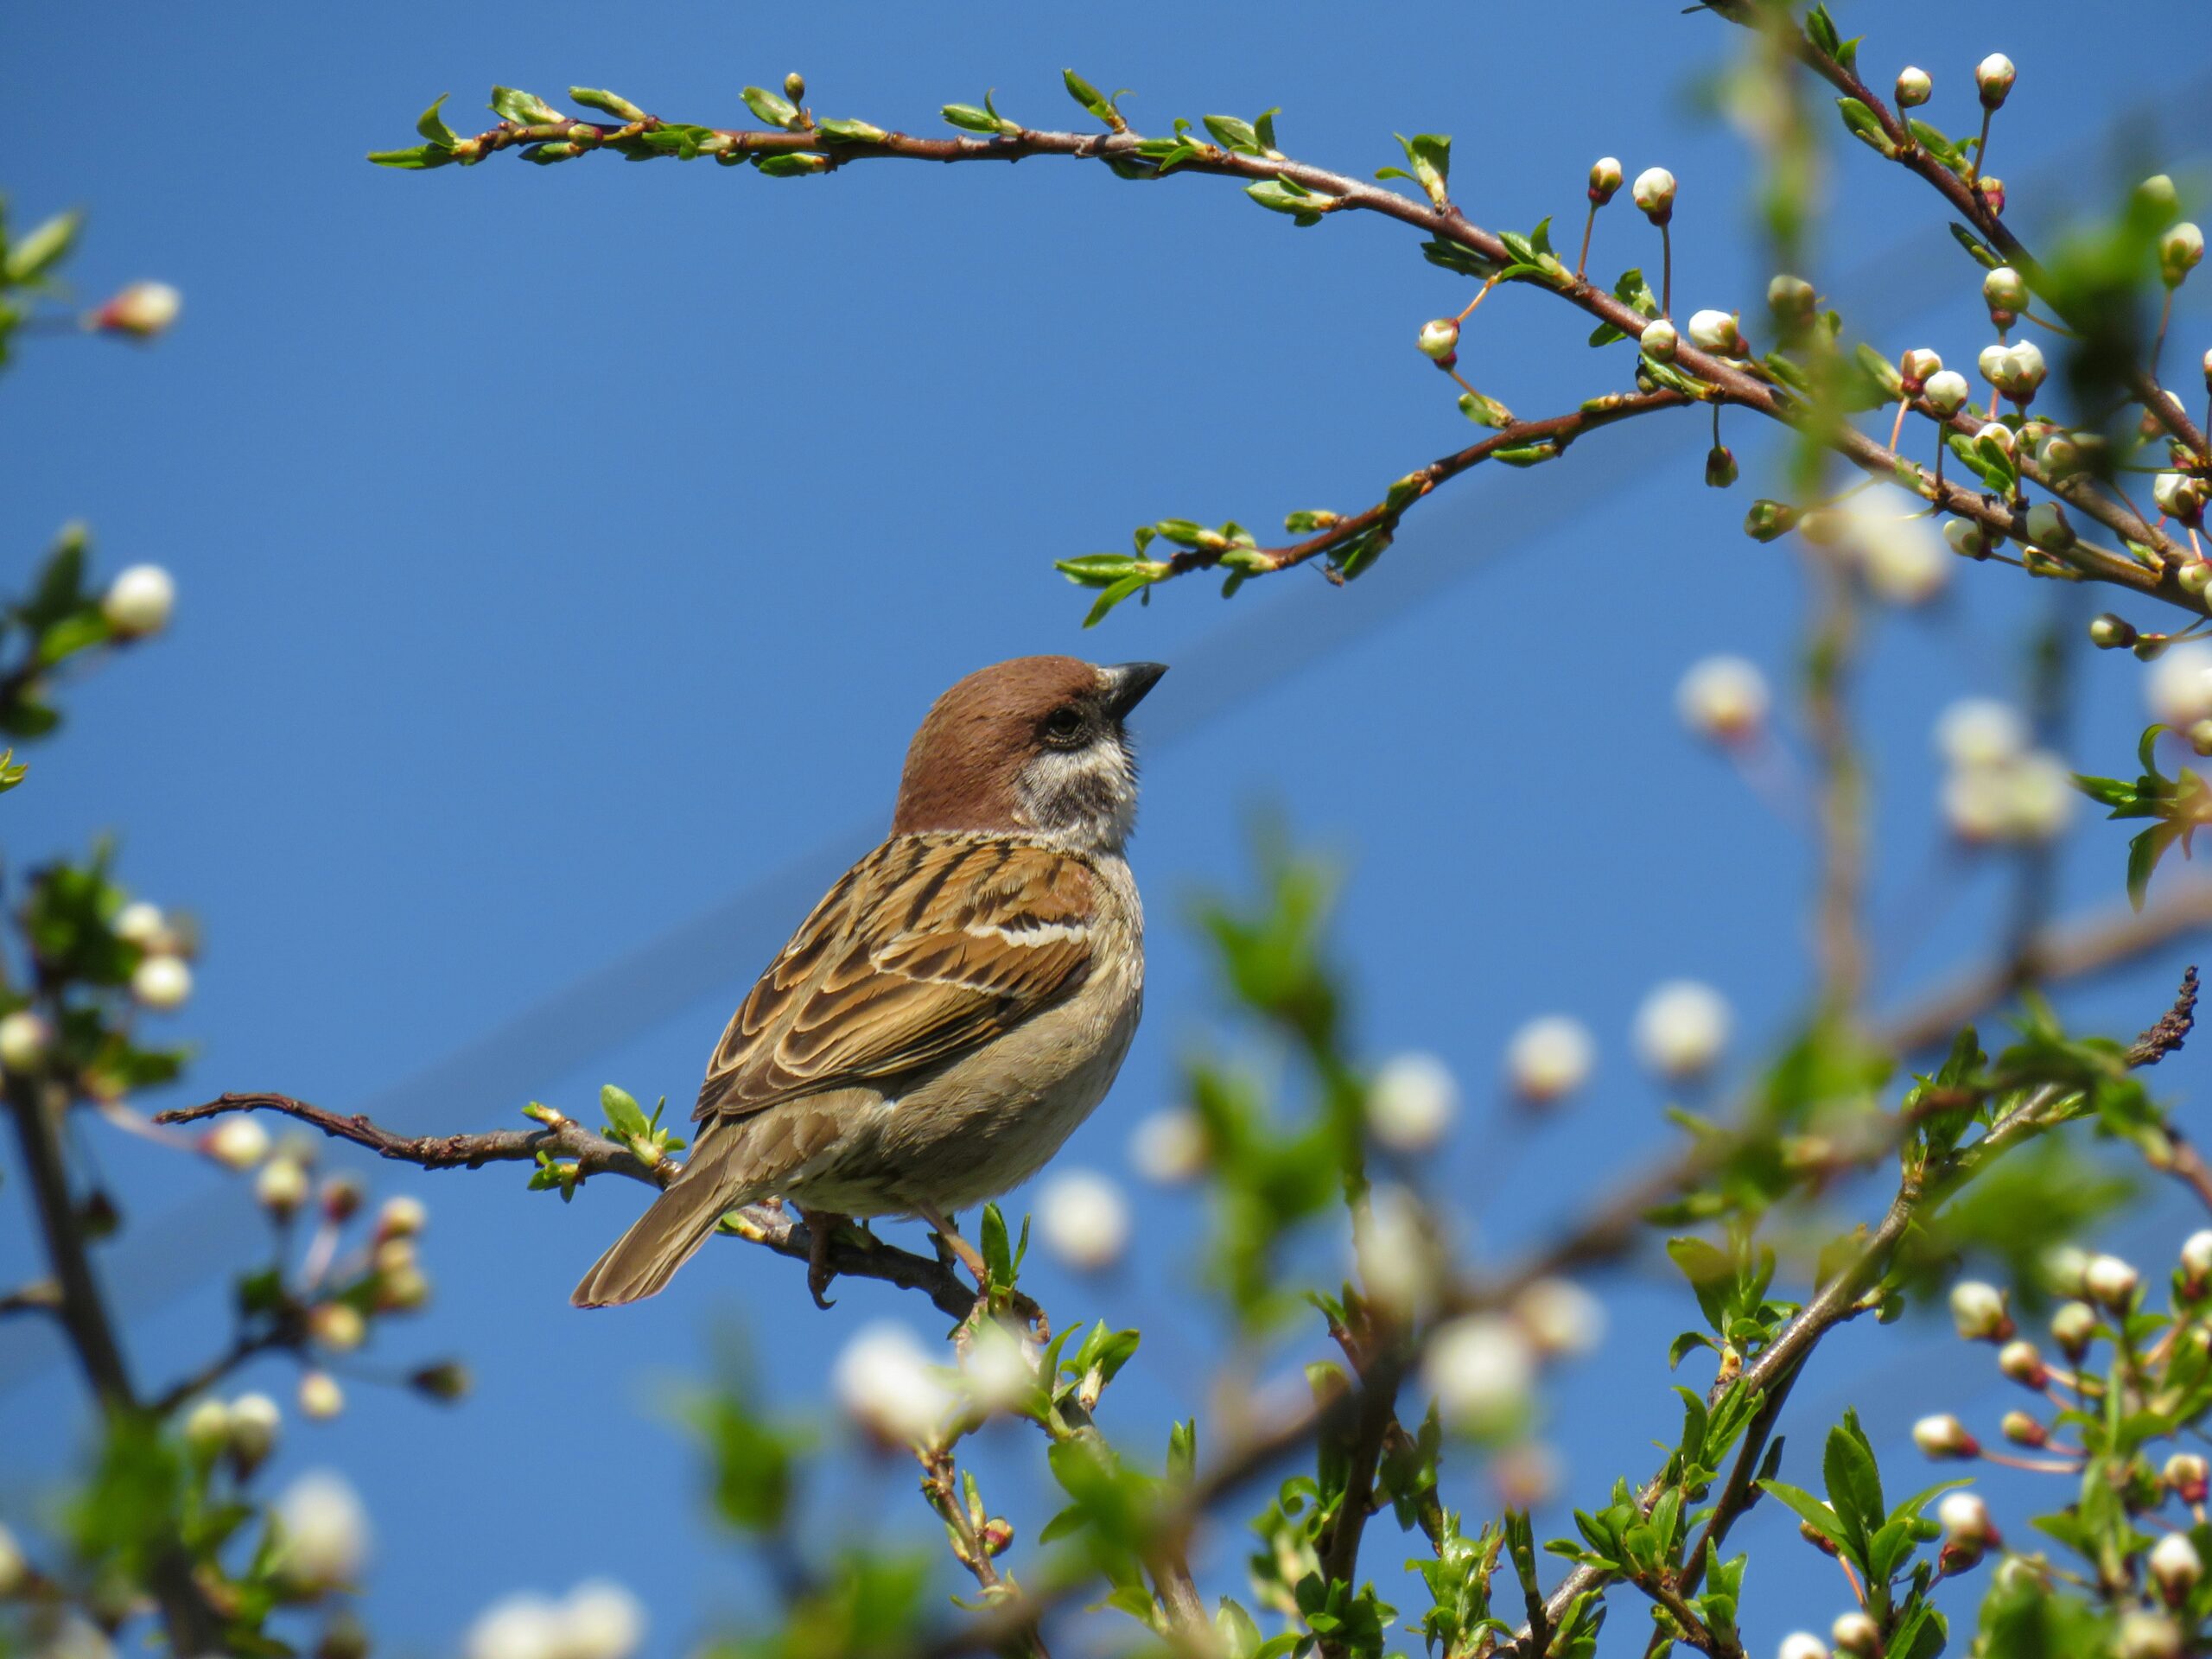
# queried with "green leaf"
point(1092, 99)
point(773, 108)
point(851, 132)
point(2144, 853)
point(1288, 196)
point(1814, 1513)
point(622, 1112)
point(420, 158)
point(1865, 125)
point(1854, 1482)
point(31, 257)
point(1232, 134)
point(1135, 582)
point(594, 98)
point(432, 125)
point(523, 109)
point(1985, 257)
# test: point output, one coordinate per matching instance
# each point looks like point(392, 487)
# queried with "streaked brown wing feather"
point(929, 946)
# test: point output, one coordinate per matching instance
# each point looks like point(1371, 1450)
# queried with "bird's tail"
point(642, 1262)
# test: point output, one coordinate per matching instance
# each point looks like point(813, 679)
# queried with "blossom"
point(143, 310)
point(1723, 699)
point(1084, 1219)
point(884, 1380)
point(325, 1530)
point(139, 600)
point(1480, 1368)
point(1981, 732)
point(1549, 1057)
point(1681, 1028)
point(1169, 1146)
point(1412, 1102)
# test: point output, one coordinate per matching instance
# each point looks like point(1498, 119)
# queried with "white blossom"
point(144, 310)
point(24, 1038)
point(162, 982)
point(320, 1398)
point(1480, 1369)
point(2178, 687)
point(1978, 1310)
point(2175, 1566)
point(1560, 1317)
point(1681, 1028)
point(884, 1380)
point(237, 1142)
point(1084, 1219)
point(1965, 1517)
point(1723, 698)
point(139, 600)
point(1981, 731)
point(1549, 1057)
point(1169, 1146)
point(1395, 1255)
point(254, 1422)
point(1412, 1102)
point(999, 1369)
point(325, 1530)
point(1802, 1644)
point(2110, 1280)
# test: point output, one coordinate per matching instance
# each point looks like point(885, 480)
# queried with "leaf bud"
point(1719, 466)
point(1942, 1436)
point(1605, 179)
point(1946, 392)
point(795, 87)
point(1769, 520)
point(2179, 251)
point(1659, 340)
point(1653, 191)
point(1914, 88)
point(448, 1380)
point(1992, 78)
point(1716, 332)
point(2020, 1361)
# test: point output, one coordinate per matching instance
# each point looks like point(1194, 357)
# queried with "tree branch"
point(763, 1223)
point(1731, 381)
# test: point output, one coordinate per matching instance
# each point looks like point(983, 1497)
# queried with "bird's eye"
point(1063, 727)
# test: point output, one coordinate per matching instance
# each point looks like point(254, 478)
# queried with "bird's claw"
point(821, 1229)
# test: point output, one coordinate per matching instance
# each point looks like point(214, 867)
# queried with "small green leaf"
point(420, 158)
point(772, 107)
point(433, 127)
point(622, 1112)
point(592, 99)
point(851, 132)
point(33, 256)
point(523, 109)
point(1093, 100)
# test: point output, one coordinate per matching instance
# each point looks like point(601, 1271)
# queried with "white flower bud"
point(2004, 289)
point(1792, 300)
point(1914, 88)
point(1412, 1102)
point(2179, 687)
point(1856, 1634)
point(998, 1369)
point(2110, 633)
point(1083, 1218)
point(2157, 197)
point(2208, 371)
point(2022, 1429)
point(1723, 699)
point(1659, 340)
point(1946, 392)
point(208, 1428)
point(2181, 494)
point(518, 1627)
point(1802, 1644)
point(2020, 371)
point(2175, 1568)
point(2190, 1476)
point(139, 600)
point(1991, 361)
point(2073, 1326)
point(1396, 1253)
point(1549, 1059)
point(1169, 1146)
point(320, 1398)
point(1993, 77)
point(1480, 1369)
point(237, 1143)
point(1944, 1436)
point(2147, 1635)
point(24, 1039)
point(2039, 797)
point(1918, 363)
point(1716, 331)
point(602, 1620)
point(1560, 1317)
point(2180, 249)
point(1440, 338)
point(1901, 558)
point(141, 310)
point(140, 924)
point(1981, 732)
point(402, 1216)
point(324, 1528)
point(282, 1186)
point(1965, 1518)
point(1653, 191)
point(1978, 1310)
point(2020, 1361)
point(162, 982)
point(338, 1326)
point(885, 1383)
point(2111, 1280)
point(14, 1569)
point(1605, 179)
point(254, 1422)
point(2196, 1255)
point(1681, 1028)
point(2047, 526)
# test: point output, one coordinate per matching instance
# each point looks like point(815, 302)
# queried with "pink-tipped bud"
point(1993, 77)
point(1914, 367)
point(1943, 1437)
point(1605, 179)
point(2022, 1429)
point(1857, 1635)
point(143, 311)
point(1915, 87)
point(2175, 1568)
point(1978, 1311)
point(2190, 1476)
point(1653, 191)
point(2020, 1361)
point(1439, 339)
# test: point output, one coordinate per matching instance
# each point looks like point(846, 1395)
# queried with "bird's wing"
point(929, 947)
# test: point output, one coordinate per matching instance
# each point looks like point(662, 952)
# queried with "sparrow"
point(955, 1005)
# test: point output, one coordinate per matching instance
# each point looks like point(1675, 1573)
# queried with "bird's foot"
point(822, 1226)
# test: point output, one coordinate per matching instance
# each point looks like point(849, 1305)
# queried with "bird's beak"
point(1129, 683)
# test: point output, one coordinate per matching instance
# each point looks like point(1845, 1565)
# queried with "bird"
point(959, 1000)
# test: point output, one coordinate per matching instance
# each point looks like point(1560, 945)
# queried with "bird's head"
point(1037, 744)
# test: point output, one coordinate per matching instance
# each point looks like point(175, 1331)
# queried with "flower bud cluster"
point(1998, 789)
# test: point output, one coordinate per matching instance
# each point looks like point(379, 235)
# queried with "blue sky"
point(565, 553)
